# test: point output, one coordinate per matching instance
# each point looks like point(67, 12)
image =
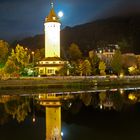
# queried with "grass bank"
point(65, 83)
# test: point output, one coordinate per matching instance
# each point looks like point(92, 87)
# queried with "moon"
point(60, 14)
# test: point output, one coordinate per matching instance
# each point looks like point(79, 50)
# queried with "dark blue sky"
point(21, 18)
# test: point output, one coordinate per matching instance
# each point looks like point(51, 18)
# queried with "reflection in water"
point(16, 106)
point(19, 107)
point(52, 103)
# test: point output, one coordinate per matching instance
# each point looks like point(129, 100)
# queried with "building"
point(52, 62)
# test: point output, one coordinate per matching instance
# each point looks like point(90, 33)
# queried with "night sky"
point(23, 18)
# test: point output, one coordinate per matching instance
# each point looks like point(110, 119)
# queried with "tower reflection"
point(52, 103)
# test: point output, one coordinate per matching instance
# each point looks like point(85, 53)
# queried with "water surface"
point(86, 115)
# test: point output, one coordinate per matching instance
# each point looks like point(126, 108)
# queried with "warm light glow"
point(62, 134)
point(132, 97)
point(34, 119)
point(52, 39)
point(121, 75)
point(60, 14)
point(121, 91)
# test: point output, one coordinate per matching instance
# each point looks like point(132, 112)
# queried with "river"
point(107, 114)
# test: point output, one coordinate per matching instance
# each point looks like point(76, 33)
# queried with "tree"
point(20, 57)
point(74, 68)
point(129, 61)
point(3, 52)
point(133, 70)
point(74, 52)
point(94, 60)
point(39, 54)
point(10, 67)
point(85, 68)
point(64, 70)
point(102, 68)
point(116, 62)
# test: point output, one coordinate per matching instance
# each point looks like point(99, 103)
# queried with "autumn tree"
point(10, 67)
point(85, 68)
point(94, 60)
point(129, 61)
point(20, 57)
point(4, 46)
point(102, 67)
point(116, 62)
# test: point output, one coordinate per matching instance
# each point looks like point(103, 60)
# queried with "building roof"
point(52, 17)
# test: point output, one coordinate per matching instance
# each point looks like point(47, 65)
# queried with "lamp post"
point(33, 61)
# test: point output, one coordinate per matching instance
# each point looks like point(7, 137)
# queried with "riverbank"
point(67, 82)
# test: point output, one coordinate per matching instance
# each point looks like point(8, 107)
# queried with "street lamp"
point(33, 61)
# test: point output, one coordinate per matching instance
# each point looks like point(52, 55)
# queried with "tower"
point(52, 63)
point(52, 34)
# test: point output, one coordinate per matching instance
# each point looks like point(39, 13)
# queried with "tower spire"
point(52, 3)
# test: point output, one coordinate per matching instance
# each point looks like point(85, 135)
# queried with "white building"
point(52, 61)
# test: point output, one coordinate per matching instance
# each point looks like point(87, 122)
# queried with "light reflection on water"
point(114, 113)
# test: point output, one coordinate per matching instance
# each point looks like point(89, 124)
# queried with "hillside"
point(88, 35)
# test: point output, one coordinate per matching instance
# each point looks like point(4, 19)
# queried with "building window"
point(41, 71)
point(50, 71)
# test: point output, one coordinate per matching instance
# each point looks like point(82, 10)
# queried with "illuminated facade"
point(52, 62)
point(52, 35)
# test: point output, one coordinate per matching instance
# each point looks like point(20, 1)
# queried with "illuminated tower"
point(52, 34)
point(53, 115)
point(52, 63)
point(52, 103)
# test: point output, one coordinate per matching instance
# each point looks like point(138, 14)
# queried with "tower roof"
point(52, 17)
